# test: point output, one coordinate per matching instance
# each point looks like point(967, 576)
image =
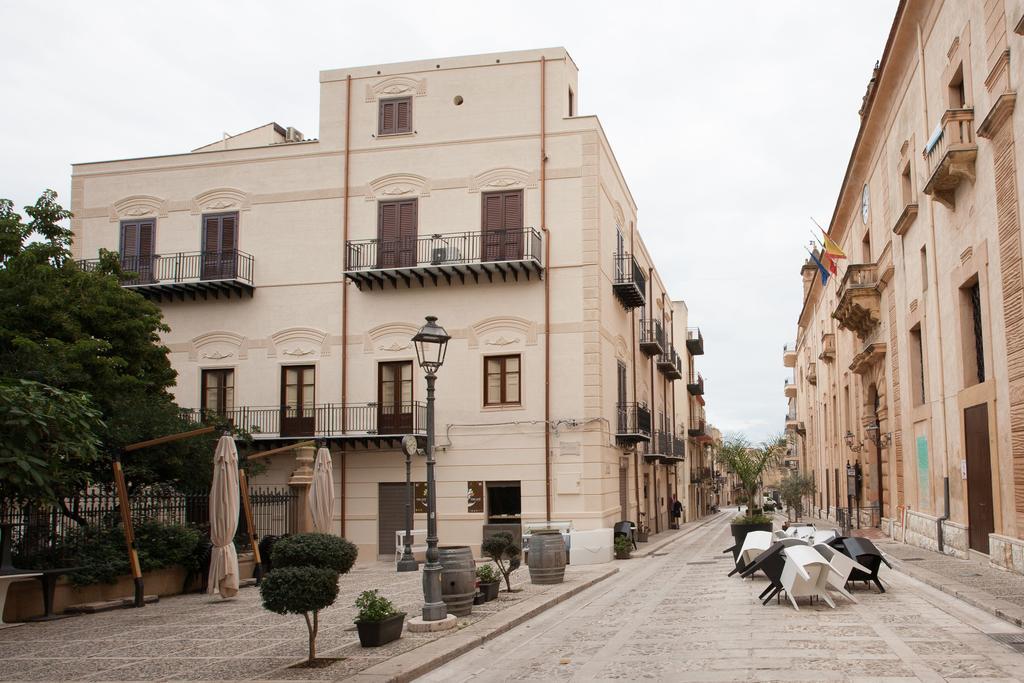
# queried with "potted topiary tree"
point(489, 580)
point(378, 622)
point(301, 590)
point(749, 463)
point(305, 578)
point(503, 551)
point(623, 548)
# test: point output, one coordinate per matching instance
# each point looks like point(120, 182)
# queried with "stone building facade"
point(909, 365)
point(293, 273)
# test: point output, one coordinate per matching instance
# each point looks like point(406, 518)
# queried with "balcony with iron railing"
point(365, 422)
point(662, 449)
point(695, 384)
point(859, 299)
point(698, 426)
point(632, 423)
point(670, 364)
point(444, 258)
point(950, 154)
point(789, 355)
point(629, 283)
point(792, 423)
point(694, 341)
point(185, 274)
point(652, 337)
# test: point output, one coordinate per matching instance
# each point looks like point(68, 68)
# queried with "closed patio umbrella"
point(224, 520)
point(321, 491)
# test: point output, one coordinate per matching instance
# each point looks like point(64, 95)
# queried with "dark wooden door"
point(623, 414)
point(220, 244)
point(137, 238)
point(502, 231)
point(396, 234)
point(390, 516)
point(980, 516)
point(394, 398)
point(298, 400)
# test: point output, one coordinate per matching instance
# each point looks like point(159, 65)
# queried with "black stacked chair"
point(625, 528)
point(770, 562)
point(865, 552)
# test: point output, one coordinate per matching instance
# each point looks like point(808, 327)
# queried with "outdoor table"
point(48, 581)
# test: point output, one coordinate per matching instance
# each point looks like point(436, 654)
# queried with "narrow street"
point(677, 616)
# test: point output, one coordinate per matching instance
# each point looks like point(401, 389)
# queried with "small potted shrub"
point(378, 622)
point(502, 549)
point(490, 581)
point(301, 590)
point(623, 548)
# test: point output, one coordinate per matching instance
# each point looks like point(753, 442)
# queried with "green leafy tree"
point(749, 463)
point(301, 590)
point(315, 550)
point(793, 490)
point(77, 330)
point(49, 441)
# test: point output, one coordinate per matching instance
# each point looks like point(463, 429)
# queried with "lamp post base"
point(435, 611)
point(419, 625)
point(408, 563)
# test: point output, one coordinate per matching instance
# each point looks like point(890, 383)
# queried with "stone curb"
point(972, 596)
point(422, 660)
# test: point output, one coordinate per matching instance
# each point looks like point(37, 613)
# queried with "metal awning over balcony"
point(694, 341)
point(356, 424)
point(695, 385)
point(633, 423)
point(652, 337)
point(859, 299)
point(951, 153)
point(629, 283)
point(670, 364)
point(165, 277)
point(430, 260)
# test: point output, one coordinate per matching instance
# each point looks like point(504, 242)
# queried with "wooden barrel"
point(547, 556)
point(458, 579)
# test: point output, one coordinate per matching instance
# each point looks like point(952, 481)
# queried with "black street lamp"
point(431, 342)
point(408, 563)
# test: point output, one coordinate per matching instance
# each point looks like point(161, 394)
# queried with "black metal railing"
point(694, 341)
point(670, 363)
point(696, 383)
point(45, 533)
point(182, 267)
point(633, 418)
point(679, 447)
point(444, 249)
point(627, 270)
point(327, 419)
point(697, 422)
point(652, 332)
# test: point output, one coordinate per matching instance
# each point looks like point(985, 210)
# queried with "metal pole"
point(434, 608)
point(408, 563)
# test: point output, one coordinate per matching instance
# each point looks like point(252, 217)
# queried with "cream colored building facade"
point(910, 364)
point(293, 273)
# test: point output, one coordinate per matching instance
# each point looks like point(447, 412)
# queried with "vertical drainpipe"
point(547, 291)
point(675, 467)
point(636, 454)
point(939, 537)
point(344, 293)
point(654, 423)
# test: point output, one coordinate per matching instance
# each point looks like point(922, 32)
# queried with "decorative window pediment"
point(138, 206)
point(502, 179)
point(299, 343)
point(396, 86)
point(397, 186)
point(502, 331)
point(218, 345)
point(221, 199)
point(389, 337)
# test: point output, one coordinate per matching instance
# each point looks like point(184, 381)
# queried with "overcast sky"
point(760, 97)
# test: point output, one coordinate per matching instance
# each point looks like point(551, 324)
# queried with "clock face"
point(865, 205)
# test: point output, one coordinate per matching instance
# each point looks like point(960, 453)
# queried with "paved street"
point(677, 616)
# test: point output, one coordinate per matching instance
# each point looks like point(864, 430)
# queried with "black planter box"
point(376, 633)
point(490, 590)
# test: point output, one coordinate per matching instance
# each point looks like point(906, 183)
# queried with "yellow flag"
point(831, 248)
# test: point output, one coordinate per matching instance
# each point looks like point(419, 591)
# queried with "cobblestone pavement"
point(677, 616)
point(204, 638)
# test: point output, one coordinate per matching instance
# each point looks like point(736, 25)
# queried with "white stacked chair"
point(805, 573)
point(824, 536)
point(841, 566)
point(755, 543)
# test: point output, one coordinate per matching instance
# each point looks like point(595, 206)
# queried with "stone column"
point(300, 480)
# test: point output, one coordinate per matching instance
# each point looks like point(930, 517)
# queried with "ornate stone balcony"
point(951, 156)
point(828, 347)
point(789, 388)
point(812, 372)
point(789, 355)
point(859, 299)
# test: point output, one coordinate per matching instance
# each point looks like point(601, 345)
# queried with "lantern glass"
point(431, 343)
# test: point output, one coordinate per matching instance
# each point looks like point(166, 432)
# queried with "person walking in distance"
point(677, 512)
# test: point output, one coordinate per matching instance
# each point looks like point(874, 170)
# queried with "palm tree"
point(749, 462)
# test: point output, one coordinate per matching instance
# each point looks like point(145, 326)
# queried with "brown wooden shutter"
point(403, 118)
point(387, 118)
point(387, 239)
point(211, 235)
point(146, 236)
point(407, 234)
point(129, 240)
point(513, 210)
